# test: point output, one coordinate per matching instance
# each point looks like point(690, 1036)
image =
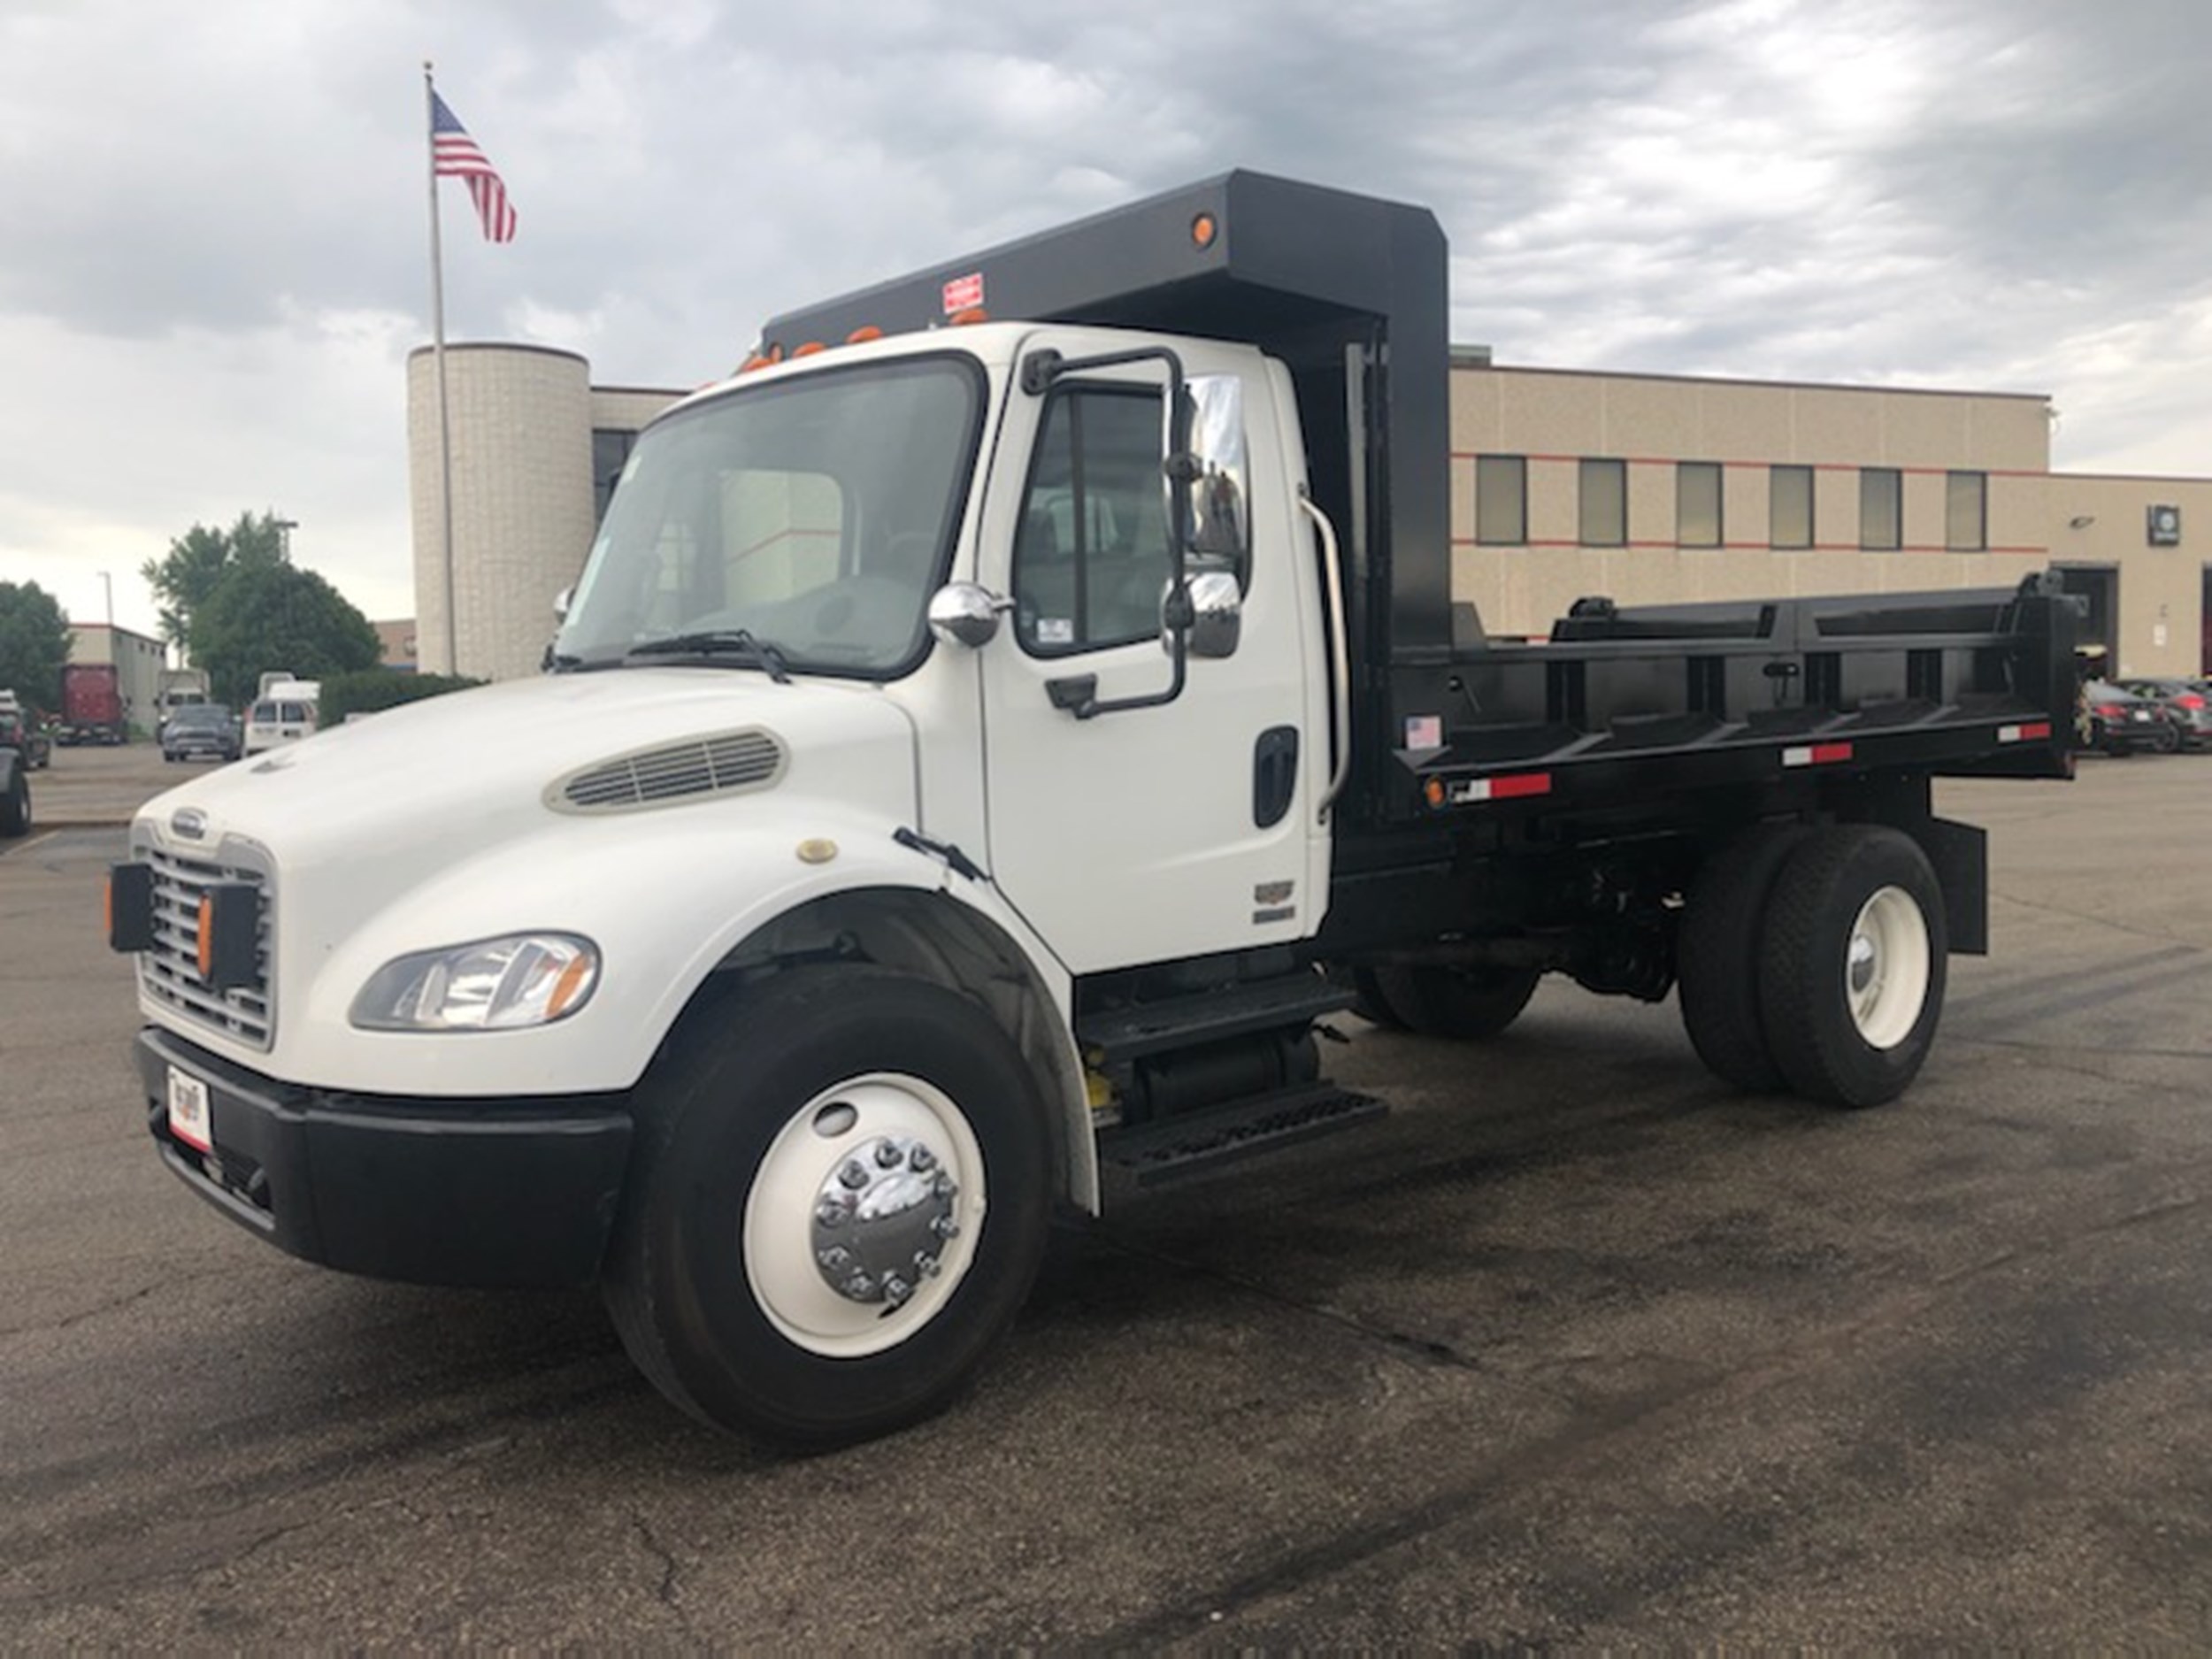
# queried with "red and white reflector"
point(1816, 754)
point(1517, 786)
point(2030, 733)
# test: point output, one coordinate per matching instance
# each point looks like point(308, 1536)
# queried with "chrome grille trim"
point(169, 974)
point(735, 761)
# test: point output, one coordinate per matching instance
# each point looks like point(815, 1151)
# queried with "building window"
point(1790, 507)
point(609, 451)
point(1881, 509)
point(1604, 504)
point(1697, 505)
point(1966, 512)
point(1501, 500)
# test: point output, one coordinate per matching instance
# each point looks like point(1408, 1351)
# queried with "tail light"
point(2190, 700)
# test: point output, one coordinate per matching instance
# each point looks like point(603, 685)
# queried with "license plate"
point(188, 1118)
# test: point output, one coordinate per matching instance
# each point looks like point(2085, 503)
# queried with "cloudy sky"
point(214, 217)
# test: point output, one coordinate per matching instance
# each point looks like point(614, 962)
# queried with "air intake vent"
point(679, 772)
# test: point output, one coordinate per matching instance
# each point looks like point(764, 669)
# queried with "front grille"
point(712, 765)
point(169, 972)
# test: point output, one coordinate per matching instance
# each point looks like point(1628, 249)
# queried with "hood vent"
point(679, 771)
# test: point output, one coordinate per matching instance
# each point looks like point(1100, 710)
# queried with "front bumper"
point(431, 1192)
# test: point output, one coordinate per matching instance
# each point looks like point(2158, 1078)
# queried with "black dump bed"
point(1619, 706)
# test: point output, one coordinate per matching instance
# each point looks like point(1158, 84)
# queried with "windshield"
point(800, 525)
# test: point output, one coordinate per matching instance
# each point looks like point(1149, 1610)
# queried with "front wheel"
point(1852, 960)
point(15, 808)
point(839, 1199)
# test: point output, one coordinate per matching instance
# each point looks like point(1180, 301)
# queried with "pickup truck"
point(991, 731)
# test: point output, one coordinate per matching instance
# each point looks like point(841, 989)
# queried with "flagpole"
point(437, 352)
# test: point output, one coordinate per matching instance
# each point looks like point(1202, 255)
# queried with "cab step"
point(1195, 1144)
point(1129, 1034)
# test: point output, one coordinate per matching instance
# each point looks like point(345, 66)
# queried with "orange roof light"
point(1204, 230)
point(974, 314)
point(865, 332)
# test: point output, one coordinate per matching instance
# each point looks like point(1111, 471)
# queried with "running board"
point(1128, 1033)
point(1198, 1143)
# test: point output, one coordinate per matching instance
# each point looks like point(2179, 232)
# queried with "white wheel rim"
point(783, 1244)
point(1887, 967)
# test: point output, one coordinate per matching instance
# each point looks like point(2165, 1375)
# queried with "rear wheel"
point(1716, 956)
point(15, 806)
point(1460, 1002)
point(839, 1202)
point(1369, 1003)
point(1852, 960)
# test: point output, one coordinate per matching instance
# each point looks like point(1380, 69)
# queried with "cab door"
point(1188, 826)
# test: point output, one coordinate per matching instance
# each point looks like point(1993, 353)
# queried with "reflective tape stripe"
point(1521, 784)
point(2029, 732)
point(1816, 755)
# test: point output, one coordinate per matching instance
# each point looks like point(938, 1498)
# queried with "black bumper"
point(431, 1192)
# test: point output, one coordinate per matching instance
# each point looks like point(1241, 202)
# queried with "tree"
point(199, 558)
point(260, 616)
point(33, 643)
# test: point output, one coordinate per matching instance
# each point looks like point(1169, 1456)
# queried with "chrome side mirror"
point(1215, 474)
point(1214, 610)
point(964, 613)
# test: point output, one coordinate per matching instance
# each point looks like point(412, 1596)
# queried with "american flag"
point(454, 155)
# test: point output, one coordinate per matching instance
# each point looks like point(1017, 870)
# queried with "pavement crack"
point(667, 1590)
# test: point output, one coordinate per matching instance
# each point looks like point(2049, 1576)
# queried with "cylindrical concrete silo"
point(519, 421)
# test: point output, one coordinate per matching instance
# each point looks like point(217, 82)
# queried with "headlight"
point(493, 984)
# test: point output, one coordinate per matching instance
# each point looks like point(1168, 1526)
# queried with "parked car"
point(2186, 706)
point(22, 731)
point(279, 720)
point(2120, 722)
point(198, 729)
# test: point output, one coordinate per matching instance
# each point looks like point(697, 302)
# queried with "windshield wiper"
point(714, 643)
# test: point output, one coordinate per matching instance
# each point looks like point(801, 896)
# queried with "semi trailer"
point(992, 729)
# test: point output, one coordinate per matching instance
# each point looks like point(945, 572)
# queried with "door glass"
point(1091, 555)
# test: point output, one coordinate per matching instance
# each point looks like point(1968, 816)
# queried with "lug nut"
point(853, 1175)
point(887, 1156)
point(896, 1290)
point(922, 1160)
point(945, 1227)
point(860, 1287)
point(836, 1257)
point(832, 1214)
point(927, 1263)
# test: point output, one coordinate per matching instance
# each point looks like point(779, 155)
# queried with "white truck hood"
point(472, 768)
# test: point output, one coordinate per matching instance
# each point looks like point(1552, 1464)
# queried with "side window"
point(1091, 555)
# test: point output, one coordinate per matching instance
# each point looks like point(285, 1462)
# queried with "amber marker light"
point(206, 940)
point(862, 334)
point(1203, 229)
point(974, 314)
point(574, 978)
point(809, 350)
point(1434, 791)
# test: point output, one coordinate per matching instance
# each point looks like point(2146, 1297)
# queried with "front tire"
point(15, 809)
point(839, 1200)
point(1852, 960)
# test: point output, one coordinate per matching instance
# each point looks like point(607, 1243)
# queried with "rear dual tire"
point(1818, 964)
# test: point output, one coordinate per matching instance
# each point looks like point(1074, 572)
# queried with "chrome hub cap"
point(864, 1215)
point(1887, 967)
point(881, 1221)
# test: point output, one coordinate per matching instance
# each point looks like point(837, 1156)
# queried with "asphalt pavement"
point(1575, 1348)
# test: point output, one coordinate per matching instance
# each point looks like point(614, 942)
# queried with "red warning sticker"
point(964, 293)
